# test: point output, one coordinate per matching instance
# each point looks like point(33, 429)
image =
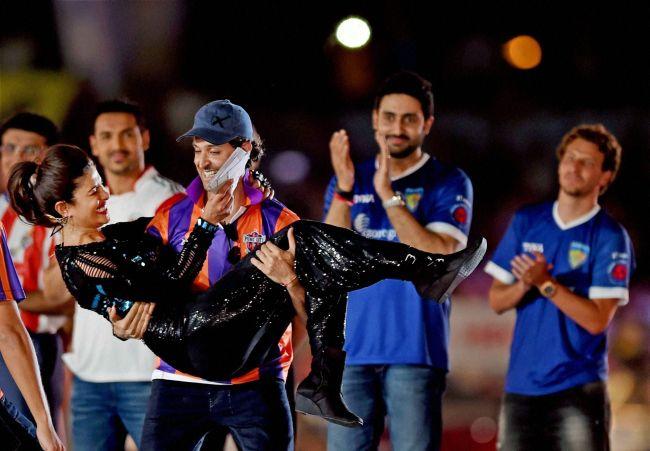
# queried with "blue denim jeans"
point(48, 348)
point(180, 414)
point(104, 412)
point(410, 395)
point(576, 419)
point(16, 431)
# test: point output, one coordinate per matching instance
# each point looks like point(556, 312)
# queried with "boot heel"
point(306, 406)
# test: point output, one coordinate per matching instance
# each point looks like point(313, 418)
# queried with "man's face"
point(400, 122)
point(208, 158)
point(20, 145)
point(580, 171)
point(119, 143)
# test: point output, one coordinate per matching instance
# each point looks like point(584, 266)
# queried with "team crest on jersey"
point(252, 240)
point(578, 253)
point(412, 197)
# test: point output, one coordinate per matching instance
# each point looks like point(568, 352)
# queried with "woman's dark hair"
point(35, 188)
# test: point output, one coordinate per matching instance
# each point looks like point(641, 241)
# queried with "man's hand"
point(218, 206)
point(531, 272)
point(135, 323)
point(47, 438)
point(341, 161)
point(381, 179)
point(276, 263)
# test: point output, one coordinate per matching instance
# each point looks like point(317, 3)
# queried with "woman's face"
point(88, 206)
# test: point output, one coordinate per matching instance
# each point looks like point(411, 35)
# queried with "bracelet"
point(291, 282)
point(207, 226)
point(347, 195)
point(343, 199)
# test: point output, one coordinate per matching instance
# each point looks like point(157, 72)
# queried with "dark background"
point(280, 61)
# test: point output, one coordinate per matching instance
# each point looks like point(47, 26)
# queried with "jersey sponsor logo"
point(463, 200)
point(380, 234)
point(618, 271)
point(361, 223)
point(252, 240)
point(412, 197)
point(533, 247)
point(620, 255)
point(578, 253)
point(363, 198)
point(459, 214)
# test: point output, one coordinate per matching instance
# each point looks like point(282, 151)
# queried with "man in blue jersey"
point(565, 267)
point(396, 342)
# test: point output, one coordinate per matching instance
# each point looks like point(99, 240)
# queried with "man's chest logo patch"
point(412, 197)
point(252, 240)
point(578, 254)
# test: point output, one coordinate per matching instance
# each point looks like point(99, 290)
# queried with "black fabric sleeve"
point(186, 265)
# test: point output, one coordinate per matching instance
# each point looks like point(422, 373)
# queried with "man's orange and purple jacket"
point(174, 221)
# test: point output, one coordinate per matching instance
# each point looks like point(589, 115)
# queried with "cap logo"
point(218, 120)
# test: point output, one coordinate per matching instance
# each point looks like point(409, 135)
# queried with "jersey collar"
point(576, 222)
point(421, 162)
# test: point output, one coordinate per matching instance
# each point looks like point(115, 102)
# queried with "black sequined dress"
point(229, 329)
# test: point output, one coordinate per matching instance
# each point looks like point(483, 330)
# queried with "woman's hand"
point(276, 263)
point(135, 323)
point(219, 205)
point(47, 437)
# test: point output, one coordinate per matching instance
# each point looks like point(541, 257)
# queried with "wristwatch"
point(548, 288)
point(395, 201)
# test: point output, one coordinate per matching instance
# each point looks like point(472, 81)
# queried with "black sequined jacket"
point(131, 265)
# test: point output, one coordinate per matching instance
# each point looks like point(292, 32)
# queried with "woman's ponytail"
point(23, 178)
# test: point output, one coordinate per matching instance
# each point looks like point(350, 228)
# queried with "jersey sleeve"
point(448, 210)
point(159, 225)
point(329, 196)
point(613, 263)
point(285, 218)
point(508, 248)
point(10, 288)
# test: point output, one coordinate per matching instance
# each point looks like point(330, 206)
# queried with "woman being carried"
point(228, 329)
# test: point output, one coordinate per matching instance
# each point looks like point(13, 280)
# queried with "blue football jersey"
point(389, 323)
point(593, 257)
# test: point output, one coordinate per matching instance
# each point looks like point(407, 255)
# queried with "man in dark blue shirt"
point(396, 341)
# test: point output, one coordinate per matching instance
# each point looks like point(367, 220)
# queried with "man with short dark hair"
point(396, 341)
point(25, 137)
point(565, 267)
point(253, 407)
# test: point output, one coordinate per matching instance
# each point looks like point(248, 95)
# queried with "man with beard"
point(565, 267)
point(396, 342)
